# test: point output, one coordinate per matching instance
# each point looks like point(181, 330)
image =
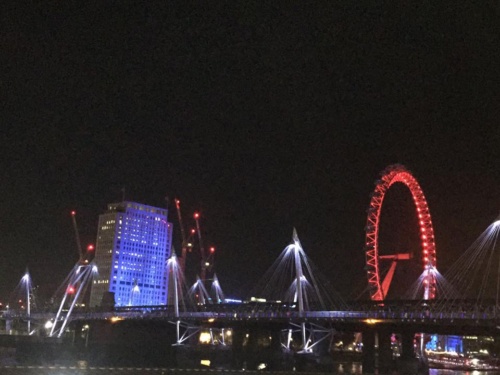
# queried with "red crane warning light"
point(196, 215)
point(73, 213)
point(70, 290)
point(212, 250)
point(90, 247)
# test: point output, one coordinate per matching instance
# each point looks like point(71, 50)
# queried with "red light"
point(70, 290)
point(90, 247)
point(196, 215)
point(73, 213)
point(212, 249)
point(193, 231)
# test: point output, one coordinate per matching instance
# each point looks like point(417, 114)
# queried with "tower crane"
point(206, 259)
point(90, 248)
point(77, 236)
point(77, 283)
point(196, 217)
point(183, 234)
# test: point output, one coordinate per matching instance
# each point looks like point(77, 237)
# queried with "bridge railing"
point(251, 312)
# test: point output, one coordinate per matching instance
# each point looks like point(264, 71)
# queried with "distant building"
point(133, 245)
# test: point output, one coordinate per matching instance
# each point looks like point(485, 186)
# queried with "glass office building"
point(133, 245)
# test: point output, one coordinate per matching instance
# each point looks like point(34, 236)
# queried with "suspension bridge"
point(299, 303)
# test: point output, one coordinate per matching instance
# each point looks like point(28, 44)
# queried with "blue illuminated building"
point(133, 244)
point(445, 343)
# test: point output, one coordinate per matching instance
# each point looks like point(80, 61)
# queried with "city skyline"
point(193, 261)
point(261, 118)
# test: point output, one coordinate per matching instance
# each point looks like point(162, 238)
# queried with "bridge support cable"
point(298, 278)
point(475, 275)
point(78, 283)
point(497, 294)
point(176, 307)
point(175, 298)
point(445, 289)
point(199, 293)
point(292, 283)
point(26, 283)
point(280, 282)
point(217, 290)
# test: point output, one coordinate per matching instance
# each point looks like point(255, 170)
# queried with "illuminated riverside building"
point(133, 245)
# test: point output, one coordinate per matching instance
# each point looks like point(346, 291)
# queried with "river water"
point(339, 368)
point(355, 368)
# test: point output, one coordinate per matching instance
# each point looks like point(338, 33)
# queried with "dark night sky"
point(264, 117)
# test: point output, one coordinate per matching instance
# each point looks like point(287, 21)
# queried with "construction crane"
point(77, 236)
point(206, 259)
point(204, 265)
point(186, 241)
point(90, 248)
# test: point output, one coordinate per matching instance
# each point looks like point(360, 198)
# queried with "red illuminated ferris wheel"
point(378, 286)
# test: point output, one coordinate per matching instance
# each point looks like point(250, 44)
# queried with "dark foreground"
point(73, 370)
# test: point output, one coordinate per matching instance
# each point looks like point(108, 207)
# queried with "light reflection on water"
point(338, 369)
point(434, 371)
point(355, 369)
point(347, 368)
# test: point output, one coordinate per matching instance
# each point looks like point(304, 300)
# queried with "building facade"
point(133, 244)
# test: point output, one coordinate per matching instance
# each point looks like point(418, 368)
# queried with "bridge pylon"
point(77, 283)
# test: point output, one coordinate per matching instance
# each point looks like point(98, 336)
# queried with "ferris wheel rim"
point(393, 174)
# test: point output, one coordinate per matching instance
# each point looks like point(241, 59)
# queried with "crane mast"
point(77, 236)
point(196, 217)
point(83, 258)
point(183, 234)
point(187, 244)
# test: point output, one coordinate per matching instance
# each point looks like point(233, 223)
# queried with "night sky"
point(263, 117)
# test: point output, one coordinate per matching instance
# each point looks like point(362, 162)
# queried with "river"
point(339, 368)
